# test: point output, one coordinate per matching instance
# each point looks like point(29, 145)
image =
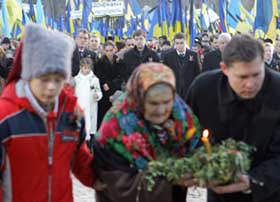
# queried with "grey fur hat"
point(45, 51)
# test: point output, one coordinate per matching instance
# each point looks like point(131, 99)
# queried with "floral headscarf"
point(144, 77)
point(126, 132)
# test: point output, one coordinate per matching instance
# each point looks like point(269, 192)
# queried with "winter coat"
point(185, 69)
point(86, 87)
point(39, 150)
point(111, 74)
point(77, 56)
point(255, 121)
point(132, 59)
point(212, 60)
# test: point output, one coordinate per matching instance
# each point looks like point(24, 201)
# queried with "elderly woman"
point(148, 122)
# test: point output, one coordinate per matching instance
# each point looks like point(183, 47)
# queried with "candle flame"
point(205, 133)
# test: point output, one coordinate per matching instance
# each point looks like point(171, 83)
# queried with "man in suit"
point(95, 45)
point(212, 59)
point(184, 63)
point(139, 54)
point(81, 51)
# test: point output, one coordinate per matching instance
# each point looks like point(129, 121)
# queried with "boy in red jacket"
point(41, 128)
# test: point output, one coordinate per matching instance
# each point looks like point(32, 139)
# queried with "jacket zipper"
point(50, 130)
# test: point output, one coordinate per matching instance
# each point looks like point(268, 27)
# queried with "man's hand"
point(186, 181)
point(243, 184)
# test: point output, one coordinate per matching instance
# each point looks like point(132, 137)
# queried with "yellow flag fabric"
point(14, 12)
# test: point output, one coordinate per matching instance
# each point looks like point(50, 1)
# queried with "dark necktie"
point(181, 55)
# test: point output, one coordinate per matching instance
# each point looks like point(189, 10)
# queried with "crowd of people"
point(78, 106)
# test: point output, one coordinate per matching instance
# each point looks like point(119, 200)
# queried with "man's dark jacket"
point(77, 56)
point(133, 59)
point(212, 60)
point(255, 121)
point(274, 64)
point(185, 68)
point(5, 66)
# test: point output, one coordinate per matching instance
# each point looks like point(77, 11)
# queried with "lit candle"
point(205, 140)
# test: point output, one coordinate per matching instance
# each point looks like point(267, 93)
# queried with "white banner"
point(110, 8)
point(76, 14)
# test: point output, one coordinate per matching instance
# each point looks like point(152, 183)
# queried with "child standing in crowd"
point(87, 89)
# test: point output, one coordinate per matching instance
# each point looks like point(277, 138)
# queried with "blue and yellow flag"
point(144, 22)
point(40, 14)
point(204, 15)
point(192, 26)
point(155, 29)
point(31, 11)
point(60, 24)
point(136, 9)
point(238, 18)
point(25, 18)
point(11, 12)
point(17, 30)
point(87, 5)
point(127, 19)
point(69, 21)
point(177, 24)
point(96, 27)
point(222, 16)
point(0, 24)
point(118, 27)
point(6, 31)
point(160, 21)
point(266, 18)
point(132, 26)
point(164, 17)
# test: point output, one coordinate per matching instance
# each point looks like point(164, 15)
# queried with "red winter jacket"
point(38, 153)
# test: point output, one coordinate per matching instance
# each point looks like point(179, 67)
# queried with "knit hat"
point(45, 51)
point(6, 40)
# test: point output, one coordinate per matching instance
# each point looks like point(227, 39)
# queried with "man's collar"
point(227, 95)
point(268, 61)
point(135, 48)
point(180, 53)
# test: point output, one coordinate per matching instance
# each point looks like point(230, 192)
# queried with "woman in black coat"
point(110, 72)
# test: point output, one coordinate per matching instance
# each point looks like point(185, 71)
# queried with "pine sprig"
point(227, 161)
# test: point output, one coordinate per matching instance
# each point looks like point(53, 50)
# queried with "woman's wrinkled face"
point(158, 103)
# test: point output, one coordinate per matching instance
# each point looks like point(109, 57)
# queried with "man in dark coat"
point(139, 54)
point(184, 63)
point(81, 51)
point(212, 59)
point(6, 57)
point(270, 61)
point(241, 101)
